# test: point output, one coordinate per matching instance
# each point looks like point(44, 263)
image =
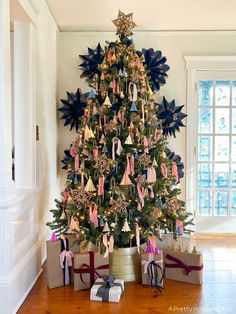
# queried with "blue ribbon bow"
point(153, 275)
point(103, 291)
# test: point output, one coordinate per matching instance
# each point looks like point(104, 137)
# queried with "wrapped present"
point(59, 260)
point(184, 266)
point(152, 267)
point(107, 289)
point(88, 267)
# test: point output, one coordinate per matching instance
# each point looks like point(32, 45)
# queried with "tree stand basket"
point(125, 263)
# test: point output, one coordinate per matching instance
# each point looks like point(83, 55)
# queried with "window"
point(216, 158)
point(211, 143)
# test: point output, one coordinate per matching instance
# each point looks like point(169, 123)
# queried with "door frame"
point(193, 65)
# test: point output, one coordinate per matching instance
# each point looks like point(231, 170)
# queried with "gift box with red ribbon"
point(87, 268)
point(183, 266)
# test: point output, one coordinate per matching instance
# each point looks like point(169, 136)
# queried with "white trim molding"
point(197, 63)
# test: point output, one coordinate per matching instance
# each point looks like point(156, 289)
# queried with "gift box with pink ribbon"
point(152, 266)
point(184, 266)
point(87, 268)
point(59, 260)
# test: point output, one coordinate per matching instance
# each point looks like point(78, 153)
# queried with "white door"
point(215, 151)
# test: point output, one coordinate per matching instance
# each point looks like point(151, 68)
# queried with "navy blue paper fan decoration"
point(72, 109)
point(67, 159)
point(171, 117)
point(156, 66)
point(91, 62)
point(177, 159)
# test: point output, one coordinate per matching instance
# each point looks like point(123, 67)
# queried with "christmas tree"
point(122, 180)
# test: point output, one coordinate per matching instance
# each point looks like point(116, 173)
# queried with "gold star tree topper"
point(124, 23)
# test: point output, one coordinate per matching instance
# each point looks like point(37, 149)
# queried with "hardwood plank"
point(216, 295)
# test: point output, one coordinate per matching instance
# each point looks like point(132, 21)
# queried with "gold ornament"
point(156, 213)
point(80, 197)
point(145, 160)
point(111, 126)
point(118, 206)
point(124, 23)
point(90, 186)
point(103, 163)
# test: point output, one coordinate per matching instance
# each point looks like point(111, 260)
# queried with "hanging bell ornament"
point(154, 163)
point(92, 93)
point(126, 227)
point(106, 228)
point(126, 180)
point(90, 186)
point(129, 140)
point(133, 107)
point(107, 102)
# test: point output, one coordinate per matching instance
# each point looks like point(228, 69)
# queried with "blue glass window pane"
point(233, 203)
point(222, 175)
point(233, 149)
point(221, 203)
point(233, 175)
point(204, 203)
point(205, 120)
point(234, 121)
point(222, 120)
point(221, 148)
point(204, 175)
point(205, 148)
point(234, 93)
point(205, 93)
point(222, 93)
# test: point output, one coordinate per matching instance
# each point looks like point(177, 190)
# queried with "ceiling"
point(96, 15)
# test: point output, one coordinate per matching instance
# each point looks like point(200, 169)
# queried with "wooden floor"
point(216, 296)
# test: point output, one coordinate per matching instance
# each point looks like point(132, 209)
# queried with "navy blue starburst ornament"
point(171, 117)
point(91, 62)
point(67, 159)
point(156, 66)
point(72, 109)
point(177, 159)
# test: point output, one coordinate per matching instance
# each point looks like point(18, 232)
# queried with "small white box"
point(115, 292)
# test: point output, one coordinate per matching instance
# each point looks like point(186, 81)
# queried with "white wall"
point(174, 45)
point(22, 220)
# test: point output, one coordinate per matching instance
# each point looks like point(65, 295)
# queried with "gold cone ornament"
point(126, 227)
point(129, 140)
point(90, 186)
point(154, 163)
point(107, 102)
point(126, 180)
point(88, 133)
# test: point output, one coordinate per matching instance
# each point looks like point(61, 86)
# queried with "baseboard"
point(27, 292)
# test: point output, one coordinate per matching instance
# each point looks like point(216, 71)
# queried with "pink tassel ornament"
point(175, 172)
point(93, 214)
point(95, 152)
point(76, 159)
point(151, 175)
point(145, 144)
point(101, 182)
point(164, 171)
